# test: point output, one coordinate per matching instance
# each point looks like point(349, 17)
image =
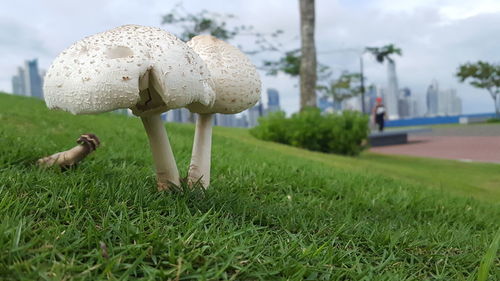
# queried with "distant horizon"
point(288, 113)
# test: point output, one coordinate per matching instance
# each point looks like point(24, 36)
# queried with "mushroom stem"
point(163, 157)
point(199, 169)
point(87, 143)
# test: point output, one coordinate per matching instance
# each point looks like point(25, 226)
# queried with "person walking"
point(379, 114)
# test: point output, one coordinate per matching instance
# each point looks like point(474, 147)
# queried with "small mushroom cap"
point(113, 69)
point(237, 82)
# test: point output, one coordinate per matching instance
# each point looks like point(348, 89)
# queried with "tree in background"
point(216, 24)
point(289, 64)
point(308, 75)
point(483, 75)
point(292, 63)
point(347, 86)
point(384, 53)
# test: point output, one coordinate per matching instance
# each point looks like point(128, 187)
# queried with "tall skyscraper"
point(407, 104)
point(273, 100)
point(241, 121)
point(179, 115)
point(414, 108)
point(32, 79)
point(325, 104)
point(370, 98)
point(442, 102)
point(456, 105)
point(432, 98)
point(391, 98)
point(28, 81)
point(42, 77)
point(405, 92)
point(353, 103)
point(230, 120)
point(18, 86)
point(404, 108)
point(254, 113)
point(163, 116)
point(225, 120)
point(449, 103)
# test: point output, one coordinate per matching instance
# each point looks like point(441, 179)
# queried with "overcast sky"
point(435, 36)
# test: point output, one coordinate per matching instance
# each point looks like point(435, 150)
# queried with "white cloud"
point(448, 9)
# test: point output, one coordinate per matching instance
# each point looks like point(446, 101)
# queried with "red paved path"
point(468, 148)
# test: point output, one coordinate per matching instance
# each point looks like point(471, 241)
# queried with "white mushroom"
point(237, 87)
point(142, 68)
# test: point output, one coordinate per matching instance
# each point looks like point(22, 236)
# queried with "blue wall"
point(434, 120)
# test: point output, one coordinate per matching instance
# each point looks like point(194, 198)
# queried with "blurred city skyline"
point(435, 36)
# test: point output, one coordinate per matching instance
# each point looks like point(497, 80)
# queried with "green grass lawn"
point(478, 180)
point(272, 213)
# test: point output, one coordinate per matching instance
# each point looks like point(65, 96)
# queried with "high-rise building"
point(432, 98)
point(28, 80)
point(18, 87)
point(241, 121)
point(405, 92)
point(230, 120)
point(273, 100)
point(456, 105)
point(337, 106)
point(442, 102)
point(407, 104)
point(404, 108)
point(353, 103)
point(414, 108)
point(179, 115)
point(370, 98)
point(32, 79)
point(254, 113)
point(225, 120)
point(42, 77)
point(449, 103)
point(325, 104)
point(391, 98)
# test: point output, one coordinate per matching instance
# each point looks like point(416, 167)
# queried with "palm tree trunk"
point(497, 105)
point(391, 101)
point(308, 55)
point(496, 101)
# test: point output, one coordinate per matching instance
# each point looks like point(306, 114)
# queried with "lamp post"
point(362, 80)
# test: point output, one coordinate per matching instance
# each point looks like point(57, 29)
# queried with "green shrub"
point(493, 120)
point(332, 133)
point(273, 128)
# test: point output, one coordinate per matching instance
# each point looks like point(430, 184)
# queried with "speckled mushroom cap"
point(237, 82)
point(114, 69)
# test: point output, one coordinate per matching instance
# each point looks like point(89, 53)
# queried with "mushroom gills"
point(150, 101)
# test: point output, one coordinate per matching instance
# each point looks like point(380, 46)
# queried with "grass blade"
point(488, 258)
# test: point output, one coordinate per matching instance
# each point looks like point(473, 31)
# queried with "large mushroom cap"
point(236, 80)
point(120, 67)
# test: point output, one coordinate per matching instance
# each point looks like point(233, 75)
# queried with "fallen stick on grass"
point(87, 143)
